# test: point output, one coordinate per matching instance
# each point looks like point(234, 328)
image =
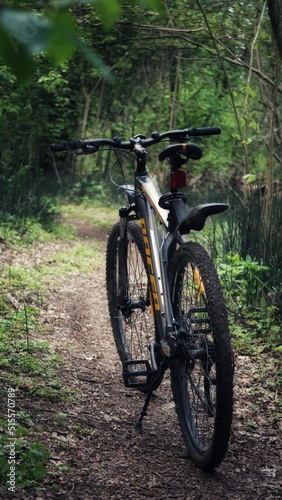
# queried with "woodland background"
point(89, 69)
point(74, 69)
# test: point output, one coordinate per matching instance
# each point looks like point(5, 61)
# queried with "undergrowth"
point(253, 296)
point(256, 319)
point(28, 366)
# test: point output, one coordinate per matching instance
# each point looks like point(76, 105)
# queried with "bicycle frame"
point(157, 248)
point(188, 332)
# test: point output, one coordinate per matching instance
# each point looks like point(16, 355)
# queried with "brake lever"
point(73, 153)
point(88, 150)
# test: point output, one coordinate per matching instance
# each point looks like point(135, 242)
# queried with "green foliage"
point(30, 456)
point(25, 360)
point(243, 279)
point(87, 188)
point(255, 333)
point(268, 329)
point(171, 85)
point(26, 33)
point(255, 321)
point(28, 184)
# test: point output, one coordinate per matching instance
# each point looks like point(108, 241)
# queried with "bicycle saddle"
point(188, 150)
point(196, 218)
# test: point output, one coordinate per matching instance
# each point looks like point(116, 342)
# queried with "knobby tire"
point(133, 333)
point(202, 384)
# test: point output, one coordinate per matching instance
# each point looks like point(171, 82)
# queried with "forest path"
point(96, 438)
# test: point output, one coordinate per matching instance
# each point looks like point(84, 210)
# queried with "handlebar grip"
point(67, 146)
point(205, 131)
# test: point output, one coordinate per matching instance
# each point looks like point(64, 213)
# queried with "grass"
point(99, 217)
point(32, 231)
point(23, 287)
point(83, 257)
point(32, 262)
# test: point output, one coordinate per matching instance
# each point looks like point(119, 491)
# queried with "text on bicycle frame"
point(155, 301)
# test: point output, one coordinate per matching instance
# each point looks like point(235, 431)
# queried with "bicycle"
point(165, 301)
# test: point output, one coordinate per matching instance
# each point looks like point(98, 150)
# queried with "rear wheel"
point(132, 322)
point(202, 365)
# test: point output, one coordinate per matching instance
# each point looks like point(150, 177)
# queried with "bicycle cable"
point(118, 162)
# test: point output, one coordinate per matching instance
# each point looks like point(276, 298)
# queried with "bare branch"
point(180, 34)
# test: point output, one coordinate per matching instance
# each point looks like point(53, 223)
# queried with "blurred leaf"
point(25, 34)
point(22, 34)
point(15, 56)
point(108, 11)
point(153, 4)
point(62, 36)
point(25, 29)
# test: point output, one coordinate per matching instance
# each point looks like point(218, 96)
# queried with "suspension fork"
point(122, 257)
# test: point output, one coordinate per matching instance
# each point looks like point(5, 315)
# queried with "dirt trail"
point(106, 457)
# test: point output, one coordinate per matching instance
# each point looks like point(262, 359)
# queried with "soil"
point(96, 439)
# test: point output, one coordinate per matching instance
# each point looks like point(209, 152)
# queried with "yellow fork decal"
point(198, 280)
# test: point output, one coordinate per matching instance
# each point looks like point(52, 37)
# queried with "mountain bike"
point(165, 301)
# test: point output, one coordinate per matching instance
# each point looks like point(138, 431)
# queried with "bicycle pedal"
point(137, 373)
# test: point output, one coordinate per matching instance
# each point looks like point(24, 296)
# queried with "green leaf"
point(247, 141)
point(254, 125)
point(108, 11)
point(250, 178)
point(39, 470)
point(62, 35)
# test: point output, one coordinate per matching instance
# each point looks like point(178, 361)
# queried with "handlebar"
point(92, 145)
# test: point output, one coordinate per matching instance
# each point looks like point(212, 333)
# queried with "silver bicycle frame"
point(157, 250)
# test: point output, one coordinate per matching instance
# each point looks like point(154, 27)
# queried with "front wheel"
point(202, 364)
point(132, 321)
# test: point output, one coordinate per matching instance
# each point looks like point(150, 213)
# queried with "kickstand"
point(138, 426)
